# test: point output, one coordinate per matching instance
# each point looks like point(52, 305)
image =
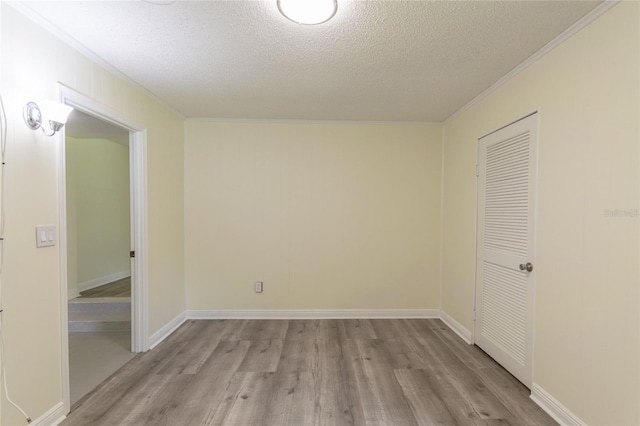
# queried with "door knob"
point(526, 266)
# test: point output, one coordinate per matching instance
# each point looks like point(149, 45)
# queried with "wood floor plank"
point(194, 351)
point(120, 288)
point(466, 381)
point(206, 390)
point(424, 399)
point(514, 396)
point(310, 372)
point(359, 329)
point(348, 375)
point(152, 402)
point(309, 386)
point(381, 396)
point(511, 393)
point(256, 330)
point(292, 400)
point(245, 401)
point(404, 351)
point(472, 356)
point(337, 400)
point(269, 329)
point(192, 330)
point(459, 407)
point(263, 356)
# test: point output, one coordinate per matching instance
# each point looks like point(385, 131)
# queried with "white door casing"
point(138, 190)
point(505, 246)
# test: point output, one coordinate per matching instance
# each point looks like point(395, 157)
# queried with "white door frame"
point(533, 255)
point(138, 191)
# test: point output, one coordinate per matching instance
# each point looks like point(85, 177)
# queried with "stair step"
point(93, 326)
point(100, 314)
point(102, 304)
point(99, 321)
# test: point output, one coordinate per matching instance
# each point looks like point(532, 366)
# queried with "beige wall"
point(98, 239)
point(33, 61)
point(586, 329)
point(328, 215)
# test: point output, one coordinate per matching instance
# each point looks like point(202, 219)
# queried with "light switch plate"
point(45, 235)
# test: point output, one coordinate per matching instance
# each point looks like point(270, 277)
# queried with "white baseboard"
point(97, 282)
point(53, 417)
point(554, 408)
point(166, 330)
point(313, 314)
point(456, 327)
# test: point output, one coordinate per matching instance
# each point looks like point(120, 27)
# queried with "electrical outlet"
point(259, 286)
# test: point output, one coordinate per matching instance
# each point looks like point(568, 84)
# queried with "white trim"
point(92, 107)
point(62, 253)
point(308, 121)
point(456, 327)
point(474, 332)
point(139, 241)
point(166, 330)
point(554, 408)
point(313, 314)
point(535, 246)
point(23, 8)
point(97, 282)
point(53, 417)
point(441, 275)
point(138, 172)
point(598, 11)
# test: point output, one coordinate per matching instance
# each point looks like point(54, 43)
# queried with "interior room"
point(399, 213)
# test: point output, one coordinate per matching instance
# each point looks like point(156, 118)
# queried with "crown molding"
point(310, 121)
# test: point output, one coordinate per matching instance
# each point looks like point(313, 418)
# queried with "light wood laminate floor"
point(311, 372)
point(120, 288)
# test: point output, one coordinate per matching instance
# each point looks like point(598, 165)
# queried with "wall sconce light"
point(55, 113)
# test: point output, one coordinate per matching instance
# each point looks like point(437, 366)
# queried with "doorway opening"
point(98, 244)
point(103, 243)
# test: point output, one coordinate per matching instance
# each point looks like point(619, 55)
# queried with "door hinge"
point(132, 253)
point(477, 170)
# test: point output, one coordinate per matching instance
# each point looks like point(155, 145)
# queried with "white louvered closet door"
point(504, 283)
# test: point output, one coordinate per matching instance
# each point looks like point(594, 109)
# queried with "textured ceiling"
point(375, 60)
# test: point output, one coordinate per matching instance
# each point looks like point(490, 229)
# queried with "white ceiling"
point(375, 60)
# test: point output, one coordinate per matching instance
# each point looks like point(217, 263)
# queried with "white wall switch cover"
point(45, 235)
point(259, 286)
